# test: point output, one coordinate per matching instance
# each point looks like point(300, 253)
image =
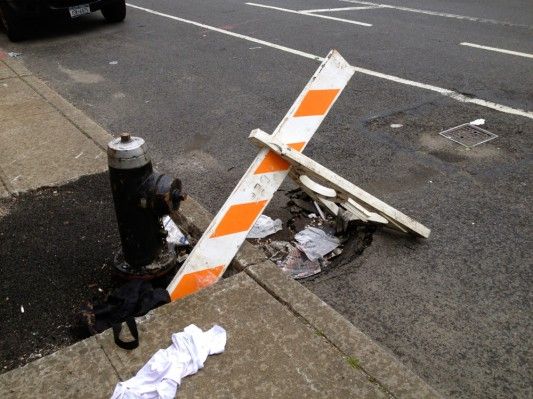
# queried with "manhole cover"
point(468, 135)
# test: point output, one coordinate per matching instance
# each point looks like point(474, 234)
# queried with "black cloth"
point(133, 299)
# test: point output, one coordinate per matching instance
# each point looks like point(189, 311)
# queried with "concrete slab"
point(5, 187)
point(17, 66)
point(17, 99)
point(3, 191)
point(85, 124)
point(270, 352)
point(46, 149)
point(5, 72)
point(79, 371)
point(44, 139)
point(374, 360)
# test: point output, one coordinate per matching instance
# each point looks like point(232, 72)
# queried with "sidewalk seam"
point(371, 379)
point(16, 66)
point(109, 360)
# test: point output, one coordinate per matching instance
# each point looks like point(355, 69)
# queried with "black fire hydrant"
point(141, 197)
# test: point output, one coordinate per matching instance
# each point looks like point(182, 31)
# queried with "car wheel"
point(15, 26)
point(115, 12)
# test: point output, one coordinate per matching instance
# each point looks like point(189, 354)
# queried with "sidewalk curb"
point(79, 370)
point(85, 124)
point(379, 365)
point(16, 66)
point(81, 122)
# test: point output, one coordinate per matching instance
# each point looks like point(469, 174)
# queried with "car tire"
point(115, 12)
point(14, 25)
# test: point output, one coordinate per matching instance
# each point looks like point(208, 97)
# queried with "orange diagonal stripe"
point(239, 218)
point(274, 163)
point(316, 102)
point(192, 282)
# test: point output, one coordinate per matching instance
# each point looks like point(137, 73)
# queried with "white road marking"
point(340, 9)
point(229, 33)
point(445, 92)
point(349, 21)
point(499, 50)
point(439, 14)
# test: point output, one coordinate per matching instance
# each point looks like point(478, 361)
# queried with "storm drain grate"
point(468, 135)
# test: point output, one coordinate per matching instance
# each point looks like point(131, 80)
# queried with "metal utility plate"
point(468, 135)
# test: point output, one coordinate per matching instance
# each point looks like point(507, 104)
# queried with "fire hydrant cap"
point(127, 152)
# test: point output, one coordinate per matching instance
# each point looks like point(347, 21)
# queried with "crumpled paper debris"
point(315, 243)
point(265, 227)
point(175, 237)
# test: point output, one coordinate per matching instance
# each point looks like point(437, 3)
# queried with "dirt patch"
point(5, 206)
point(56, 248)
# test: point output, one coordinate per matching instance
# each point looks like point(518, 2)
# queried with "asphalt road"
point(455, 308)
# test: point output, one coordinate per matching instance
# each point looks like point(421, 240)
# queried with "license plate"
point(76, 11)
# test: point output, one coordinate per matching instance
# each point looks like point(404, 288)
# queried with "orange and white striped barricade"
point(218, 245)
point(335, 192)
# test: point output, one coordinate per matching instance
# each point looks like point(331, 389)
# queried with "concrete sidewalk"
point(45, 141)
point(283, 341)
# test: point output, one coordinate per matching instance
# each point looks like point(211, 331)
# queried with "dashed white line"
point(341, 9)
point(349, 21)
point(229, 33)
point(499, 50)
point(445, 92)
point(439, 14)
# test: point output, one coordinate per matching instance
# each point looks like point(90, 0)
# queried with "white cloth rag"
point(160, 377)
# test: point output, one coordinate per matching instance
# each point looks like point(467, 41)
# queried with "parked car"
point(17, 14)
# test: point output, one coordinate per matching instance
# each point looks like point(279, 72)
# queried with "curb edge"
point(393, 376)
